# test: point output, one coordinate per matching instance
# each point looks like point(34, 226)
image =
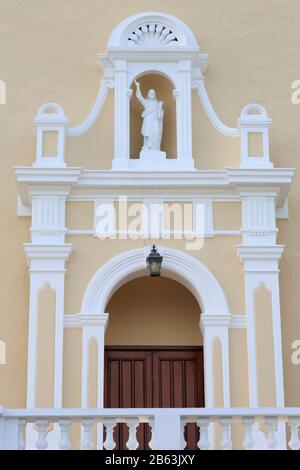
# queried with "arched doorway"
point(153, 352)
point(178, 266)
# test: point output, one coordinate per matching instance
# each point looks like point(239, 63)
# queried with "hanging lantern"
point(154, 261)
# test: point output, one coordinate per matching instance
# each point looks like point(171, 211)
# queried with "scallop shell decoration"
point(152, 34)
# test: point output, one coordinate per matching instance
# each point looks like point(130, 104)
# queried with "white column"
point(121, 110)
point(277, 338)
point(212, 327)
point(184, 116)
point(261, 266)
point(260, 255)
point(93, 327)
point(47, 256)
point(46, 265)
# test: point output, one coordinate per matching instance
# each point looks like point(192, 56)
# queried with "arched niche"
point(139, 45)
point(164, 92)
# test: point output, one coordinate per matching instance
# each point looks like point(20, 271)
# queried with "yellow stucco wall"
point(142, 310)
point(49, 54)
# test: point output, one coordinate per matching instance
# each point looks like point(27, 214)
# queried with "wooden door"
point(178, 383)
point(153, 377)
point(128, 377)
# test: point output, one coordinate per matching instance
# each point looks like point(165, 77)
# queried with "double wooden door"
point(152, 377)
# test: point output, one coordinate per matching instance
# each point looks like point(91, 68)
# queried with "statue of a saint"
point(152, 115)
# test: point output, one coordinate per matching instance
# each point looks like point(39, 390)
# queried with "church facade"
point(155, 311)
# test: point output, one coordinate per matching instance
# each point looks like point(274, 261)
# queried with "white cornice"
point(260, 253)
point(79, 321)
point(238, 321)
point(46, 179)
point(226, 321)
point(152, 54)
point(87, 184)
point(214, 320)
point(49, 252)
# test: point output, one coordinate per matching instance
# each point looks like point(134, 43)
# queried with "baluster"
point(21, 441)
point(248, 442)
point(132, 424)
point(151, 424)
point(271, 422)
point(64, 443)
point(42, 443)
point(203, 443)
point(226, 443)
point(183, 442)
point(87, 443)
point(109, 443)
point(294, 423)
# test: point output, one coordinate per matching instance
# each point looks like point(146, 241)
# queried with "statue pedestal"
point(153, 159)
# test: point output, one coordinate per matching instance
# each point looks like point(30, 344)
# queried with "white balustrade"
point(271, 423)
point(203, 423)
point(109, 443)
point(226, 443)
point(294, 423)
point(151, 425)
point(64, 443)
point(183, 441)
point(87, 424)
point(132, 443)
point(28, 428)
point(248, 442)
point(42, 443)
point(22, 427)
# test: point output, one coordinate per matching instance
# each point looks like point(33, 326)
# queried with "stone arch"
point(177, 265)
point(168, 31)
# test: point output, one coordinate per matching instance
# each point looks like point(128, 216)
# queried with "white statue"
point(152, 115)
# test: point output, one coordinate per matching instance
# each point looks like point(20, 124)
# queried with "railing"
point(219, 428)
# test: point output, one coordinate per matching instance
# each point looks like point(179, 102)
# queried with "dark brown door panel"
point(154, 377)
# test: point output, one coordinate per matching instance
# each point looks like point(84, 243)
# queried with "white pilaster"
point(261, 255)
point(215, 327)
point(212, 327)
point(46, 265)
point(261, 267)
point(48, 215)
point(122, 98)
point(258, 217)
point(184, 116)
point(93, 328)
point(47, 256)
